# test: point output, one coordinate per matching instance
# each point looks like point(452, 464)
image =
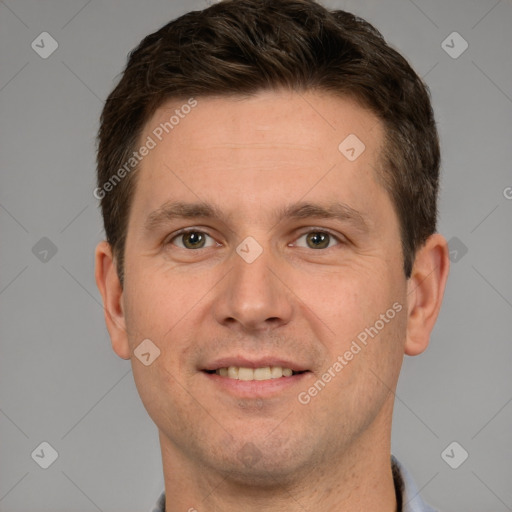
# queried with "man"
point(268, 176)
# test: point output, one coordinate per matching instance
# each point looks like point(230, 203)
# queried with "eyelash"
point(195, 230)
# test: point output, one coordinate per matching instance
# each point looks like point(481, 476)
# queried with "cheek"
point(156, 300)
point(169, 308)
point(366, 313)
point(349, 299)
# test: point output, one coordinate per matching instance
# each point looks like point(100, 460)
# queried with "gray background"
point(60, 380)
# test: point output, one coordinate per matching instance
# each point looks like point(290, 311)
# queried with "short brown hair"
point(245, 46)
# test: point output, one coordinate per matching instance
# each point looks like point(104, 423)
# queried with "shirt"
point(407, 493)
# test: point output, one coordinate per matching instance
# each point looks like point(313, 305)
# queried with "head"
point(244, 109)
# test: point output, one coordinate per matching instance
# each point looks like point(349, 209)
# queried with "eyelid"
point(339, 238)
point(184, 231)
point(312, 229)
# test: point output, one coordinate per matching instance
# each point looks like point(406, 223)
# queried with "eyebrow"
point(172, 210)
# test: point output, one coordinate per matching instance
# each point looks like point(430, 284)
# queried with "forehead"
point(258, 150)
point(302, 121)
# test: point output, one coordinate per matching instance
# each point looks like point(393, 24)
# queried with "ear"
point(425, 290)
point(110, 288)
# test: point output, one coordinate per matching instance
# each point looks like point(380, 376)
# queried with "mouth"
point(262, 373)
point(255, 377)
point(262, 382)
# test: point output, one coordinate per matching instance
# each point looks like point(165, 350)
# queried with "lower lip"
point(255, 388)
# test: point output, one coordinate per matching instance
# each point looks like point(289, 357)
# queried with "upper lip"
point(261, 362)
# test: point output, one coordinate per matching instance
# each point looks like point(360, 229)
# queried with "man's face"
point(209, 299)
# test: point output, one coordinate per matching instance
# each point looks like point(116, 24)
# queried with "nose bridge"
point(252, 295)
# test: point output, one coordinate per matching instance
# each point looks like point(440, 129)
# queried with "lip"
point(261, 362)
point(255, 388)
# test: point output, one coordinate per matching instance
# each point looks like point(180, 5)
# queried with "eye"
point(317, 239)
point(191, 239)
point(195, 239)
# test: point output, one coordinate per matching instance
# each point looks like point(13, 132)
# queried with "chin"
point(265, 465)
point(263, 476)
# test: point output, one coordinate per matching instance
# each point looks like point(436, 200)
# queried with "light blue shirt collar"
point(411, 499)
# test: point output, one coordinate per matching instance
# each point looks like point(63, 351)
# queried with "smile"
point(247, 374)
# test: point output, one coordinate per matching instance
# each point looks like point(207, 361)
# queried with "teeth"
point(245, 373)
point(276, 372)
point(262, 373)
point(265, 373)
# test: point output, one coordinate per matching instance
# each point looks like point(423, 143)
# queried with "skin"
point(248, 156)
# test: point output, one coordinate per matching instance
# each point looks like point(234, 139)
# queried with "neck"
point(358, 478)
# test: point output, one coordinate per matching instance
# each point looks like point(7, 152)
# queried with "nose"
point(254, 296)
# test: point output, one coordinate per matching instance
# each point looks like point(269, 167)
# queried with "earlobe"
point(425, 292)
point(111, 291)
